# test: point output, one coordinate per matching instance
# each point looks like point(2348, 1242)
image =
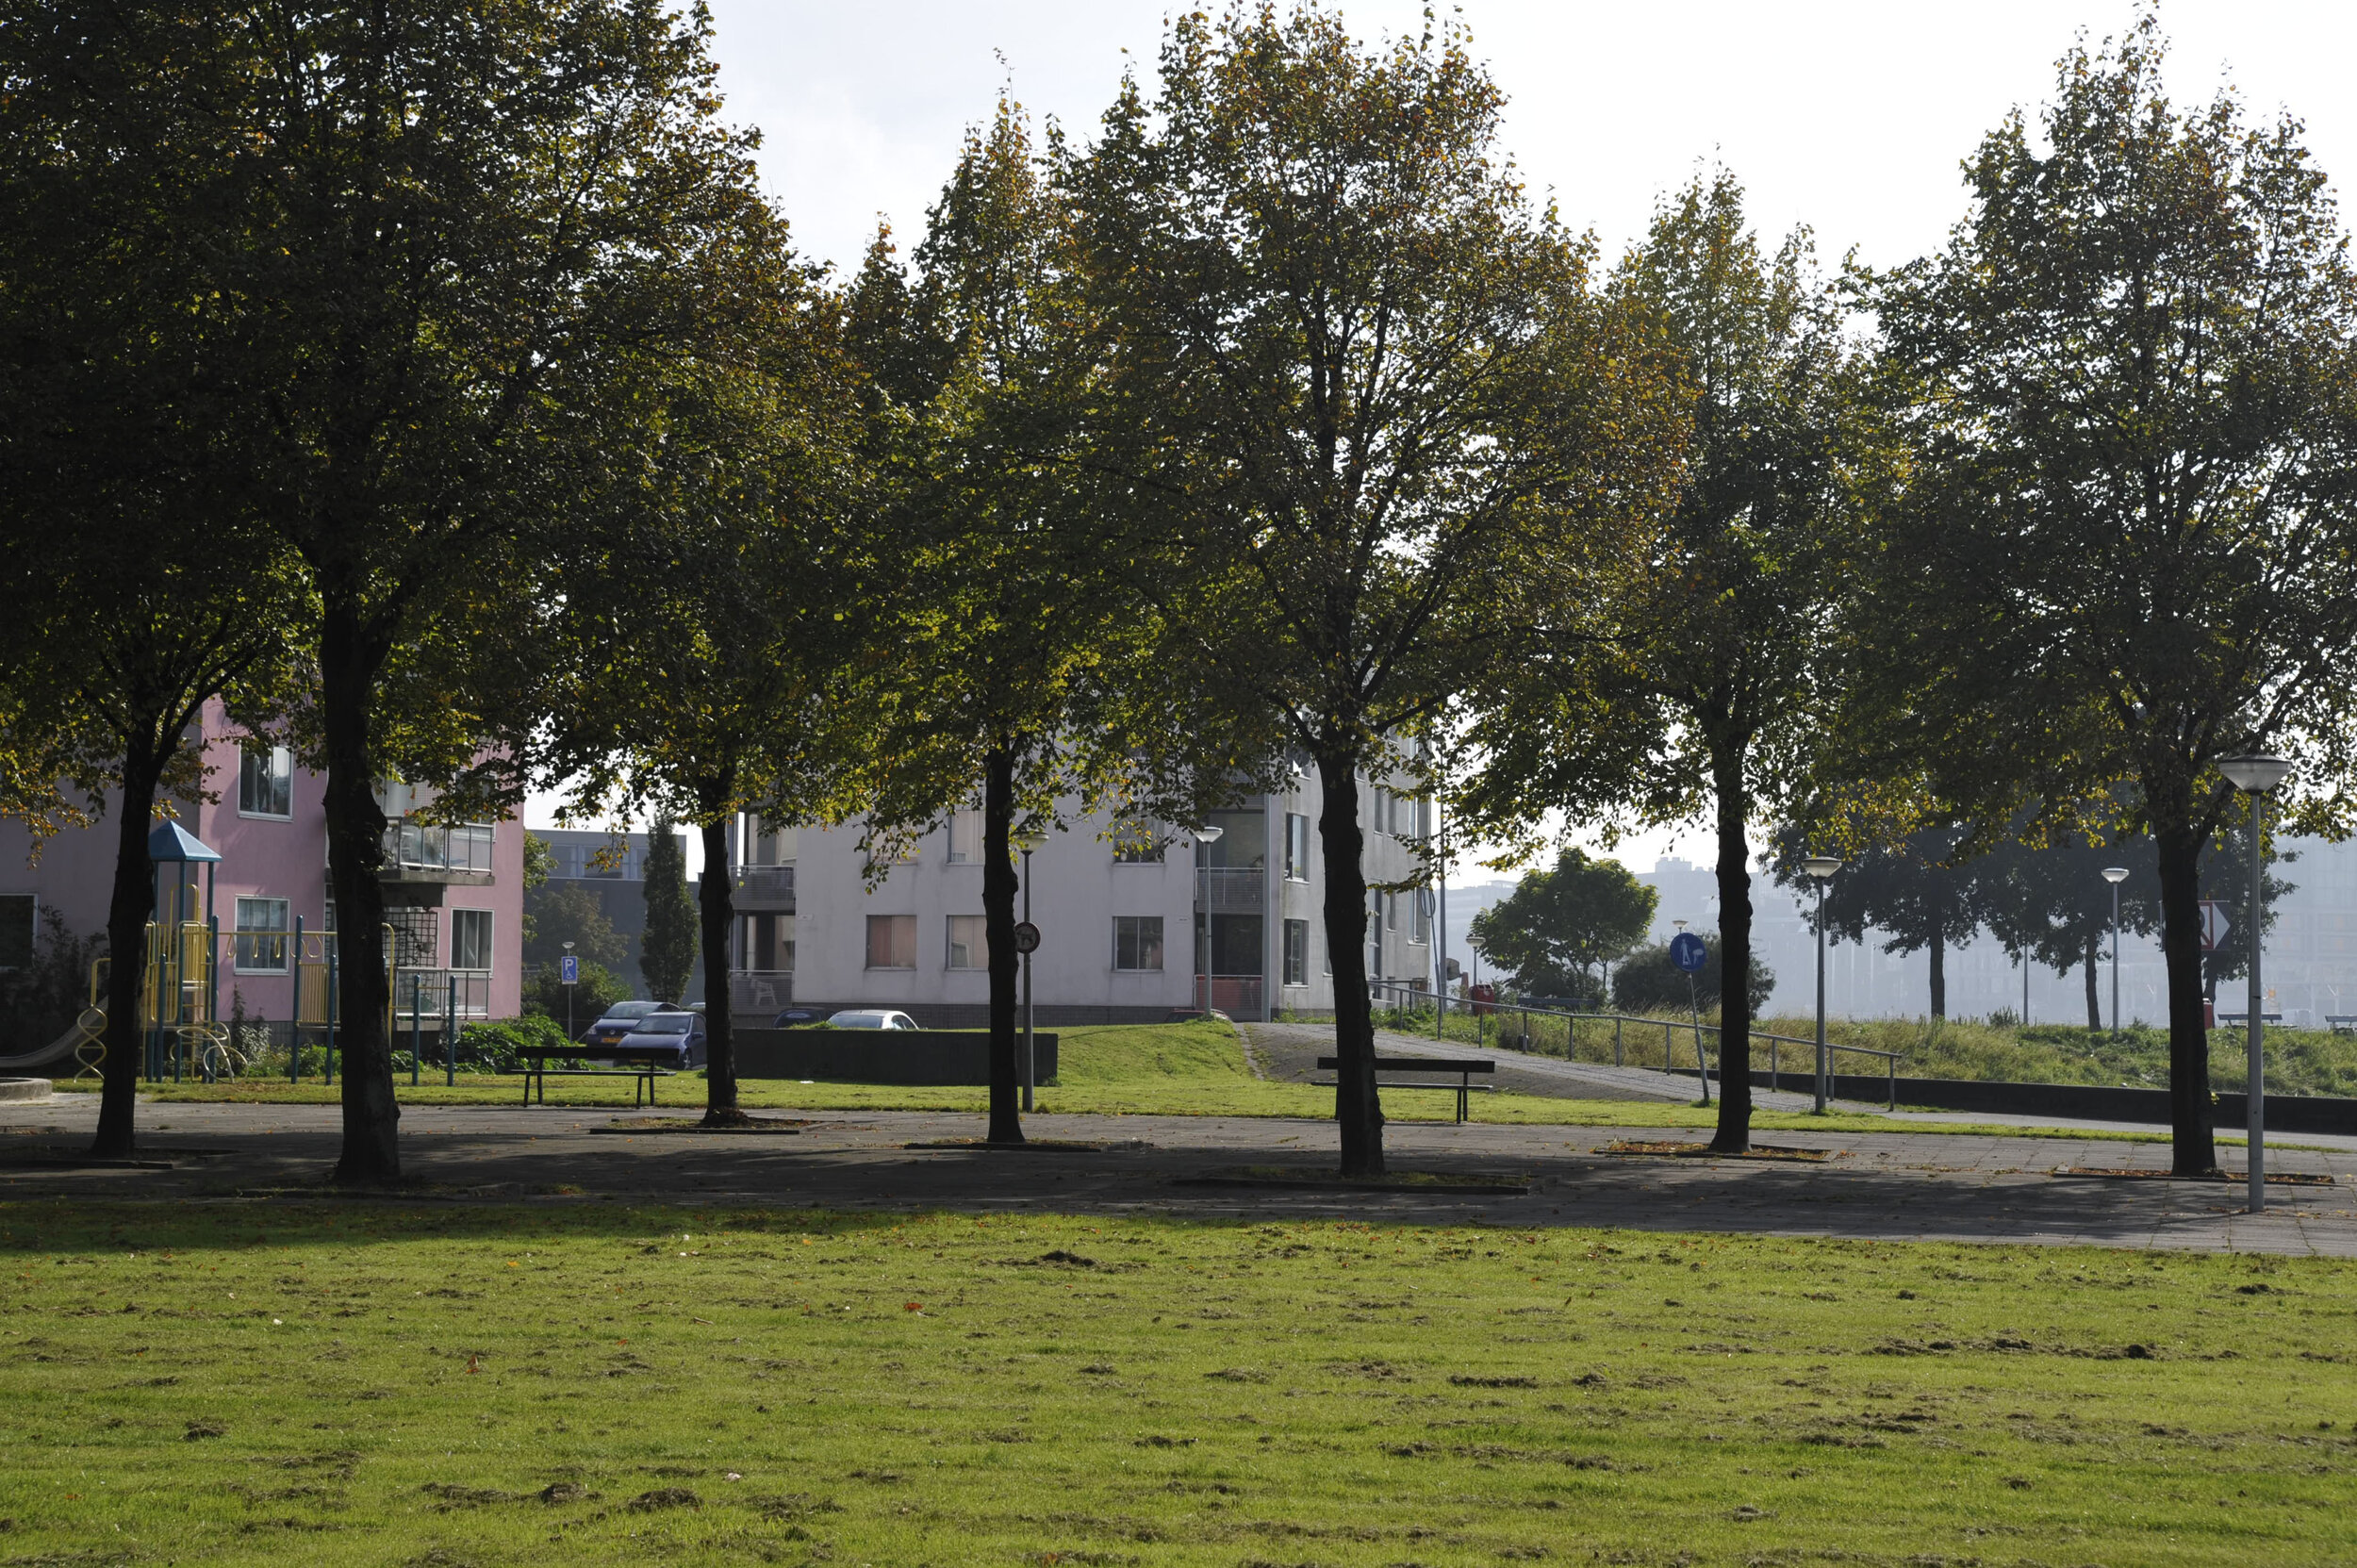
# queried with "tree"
point(1354, 385)
point(571, 913)
point(466, 227)
point(144, 582)
point(1648, 979)
point(666, 950)
point(2121, 546)
point(723, 588)
point(1912, 890)
point(2048, 901)
point(1558, 928)
point(1696, 683)
point(1036, 690)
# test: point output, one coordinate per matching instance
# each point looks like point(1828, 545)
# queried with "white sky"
point(1849, 116)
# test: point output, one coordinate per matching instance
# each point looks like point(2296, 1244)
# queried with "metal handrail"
point(1620, 1021)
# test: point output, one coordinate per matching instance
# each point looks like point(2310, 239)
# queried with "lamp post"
point(1204, 837)
point(2256, 776)
point(1026, 841)
point(1822, 868)
point(2114, 875)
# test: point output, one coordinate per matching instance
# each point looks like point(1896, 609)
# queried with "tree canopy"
point(1558, 928)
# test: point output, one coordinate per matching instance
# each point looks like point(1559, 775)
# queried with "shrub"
point(494, 1047)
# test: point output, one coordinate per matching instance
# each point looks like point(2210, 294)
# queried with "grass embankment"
point(1185, 1069)
point(2299, 1061)
point(370, 1385)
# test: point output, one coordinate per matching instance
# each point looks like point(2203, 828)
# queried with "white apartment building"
point(1126, 935)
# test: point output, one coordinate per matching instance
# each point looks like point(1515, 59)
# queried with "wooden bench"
point(1463, 1066)
point(640, 1066)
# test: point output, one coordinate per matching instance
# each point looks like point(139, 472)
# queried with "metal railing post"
point(450, 1033)
point(294, 1013)
point(1617, 1022)
point(416, 1006)
point(334, 1005)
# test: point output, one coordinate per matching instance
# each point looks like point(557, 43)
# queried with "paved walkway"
point(1291, 1052)
point(1913, 1185)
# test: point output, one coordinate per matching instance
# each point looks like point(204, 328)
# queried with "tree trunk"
point(1358, 1109)
point(128, 909)
point(1734, 1135)
point(350, 664)
point(2095, 1003)
point(715, 906)
point(2178, 852)
point(1940, 976)
point(1006, 964)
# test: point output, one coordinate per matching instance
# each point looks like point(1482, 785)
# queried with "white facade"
point(1124, 938)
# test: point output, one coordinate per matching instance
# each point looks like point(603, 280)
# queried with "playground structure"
point(183, 1032)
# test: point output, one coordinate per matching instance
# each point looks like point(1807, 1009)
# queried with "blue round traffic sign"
point(1688, 952)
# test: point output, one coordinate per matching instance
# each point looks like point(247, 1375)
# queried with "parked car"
point(796, 1018)
point(871, 1017)
point(671, 1027)
point(616, 1021)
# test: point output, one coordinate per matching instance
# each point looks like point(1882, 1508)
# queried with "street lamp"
point(1822, 868)
point(2257, 777)
point(2114, 875)
point(1028, 840)
point(1210, 834)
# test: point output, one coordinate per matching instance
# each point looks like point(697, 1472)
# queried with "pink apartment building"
point(454, 896)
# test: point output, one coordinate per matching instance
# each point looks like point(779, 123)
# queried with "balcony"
point(758, 992)
point(422, 858)
point(433, 993)
point(1222, 890)
point(764, 889)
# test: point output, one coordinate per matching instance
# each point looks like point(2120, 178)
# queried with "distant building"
point(612, 869)
point(1126, 935)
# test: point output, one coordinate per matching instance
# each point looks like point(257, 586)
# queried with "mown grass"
point(386, 1386)
point(1138, 1069)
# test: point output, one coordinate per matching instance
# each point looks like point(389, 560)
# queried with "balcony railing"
point(754, 991)
point(765, 887)
point(1220, 888)
point(433, 992)
point(424, 847)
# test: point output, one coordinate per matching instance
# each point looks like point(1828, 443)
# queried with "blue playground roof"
point(172, 842)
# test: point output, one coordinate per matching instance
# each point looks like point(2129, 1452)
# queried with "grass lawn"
point(439, 1386)
point(1190, 1069)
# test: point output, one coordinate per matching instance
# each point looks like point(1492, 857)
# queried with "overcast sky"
point(1849, 116)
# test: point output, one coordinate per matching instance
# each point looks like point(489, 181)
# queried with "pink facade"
point(455, 896)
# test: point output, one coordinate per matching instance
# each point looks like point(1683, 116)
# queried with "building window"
point(17, 914)
point(965, 839)
point(261, 946)
point(471, 939)
point(892, 941)
point(265, 782)
point(1391, 912)
point(1137, 844)
point(1296, 952)
point(1137, 942)
point(1296, 847)
point(969, 942)
point(1420, 928)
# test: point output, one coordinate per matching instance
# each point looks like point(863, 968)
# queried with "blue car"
point(680, 1030)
